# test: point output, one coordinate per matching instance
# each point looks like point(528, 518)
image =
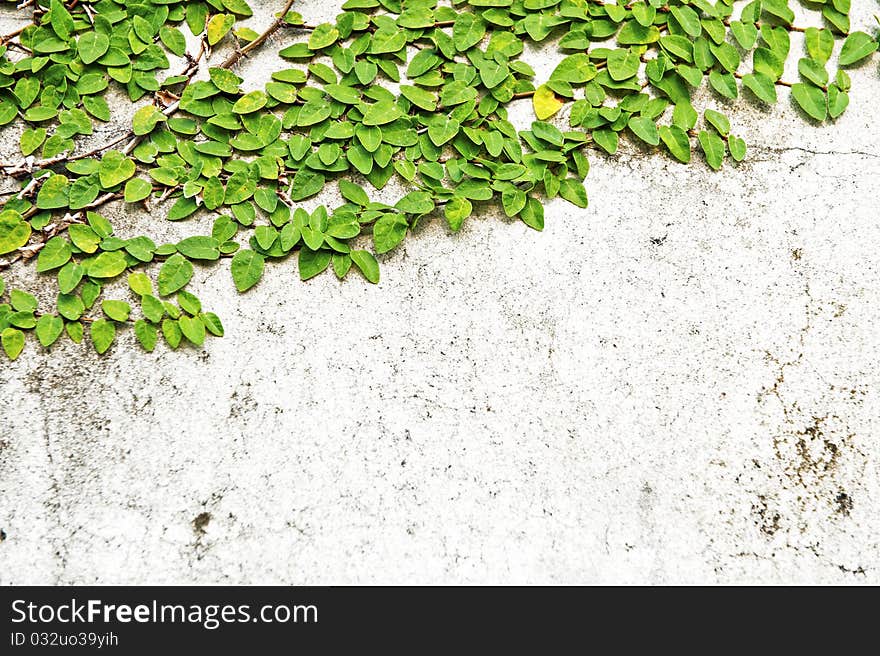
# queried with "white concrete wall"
point(678, 384)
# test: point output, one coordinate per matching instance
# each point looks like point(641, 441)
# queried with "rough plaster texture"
point(678, 384)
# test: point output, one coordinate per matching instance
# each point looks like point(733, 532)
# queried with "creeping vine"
point(412, 90)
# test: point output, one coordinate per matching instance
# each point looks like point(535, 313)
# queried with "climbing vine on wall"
point(412, 90)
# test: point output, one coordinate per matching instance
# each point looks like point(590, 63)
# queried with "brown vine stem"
point(8, 37)
point(256, 43)
point(790, 28)
point(781, 83)
point(309, 28)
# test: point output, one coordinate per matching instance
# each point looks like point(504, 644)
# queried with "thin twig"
point(256, 43)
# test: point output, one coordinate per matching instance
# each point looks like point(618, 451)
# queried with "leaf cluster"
point(416, 92)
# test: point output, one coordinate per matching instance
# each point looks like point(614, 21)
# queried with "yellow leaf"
point(218, 26)
point(546, 103)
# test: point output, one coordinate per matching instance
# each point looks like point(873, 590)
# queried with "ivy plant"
point(417, 91)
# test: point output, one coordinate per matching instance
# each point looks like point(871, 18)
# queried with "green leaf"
point(239, 7)
point(820, 43)
point(493, 73)
point(26, 91)
point(137, 189)
point(838, 101)
point(607, 140)
point(91, 46)
point(48, 329)
point(175, 273)
point(60, 20)
point(171, 332)
point(247, 269)
point(74, 331)
point(182, 208)
point(416, 202)
point(457, 209)
point(572, 190)
point(688, 19)
point(341, 264)
point(533, 214)
point(69, 276)
point(341, 93)
point(199, 248)
point(140, 284)
point(31, 140)
point(856, 47)
point(213, 193)
point(54, 193)
point(193, 329)
point(115, 169)
point(456, 93)
point(575, 69)
point(762, 86)
point(84, 237)
point(314, 111)
point(746, 34)
point(152, 308)
point(723, 83)
point(547, 132)
point(145, 119)
point(467, 31)
point(676, 140)
point(55, 254)
point(13, 342)
point(718, 120)
point(419, 97)
point(189, 303)
point(225, 80)
point(645, 129)
point(107, 265)
point(212, 323)
point(306, 183)
point(811, 99)
point(322, 36)
point(116, 310)
point(623, 64)
point(367, 264)
point(146, 334)
point(250, 102)
point(713, 148)
point(103, 333)
point(311, 263)
point(239, 188)
point(512, 201)
point(173, 40)
point(14, 231)
point(97, 107)
point(389, 231)
point(82, 192)
point(813, 71)
point(23, 301)
point(443, 129)
point(423, 61)
point(354, 193)
point(382, 112)
point(737, 148)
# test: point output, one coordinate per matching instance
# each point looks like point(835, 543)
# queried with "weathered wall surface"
point(678, 384)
